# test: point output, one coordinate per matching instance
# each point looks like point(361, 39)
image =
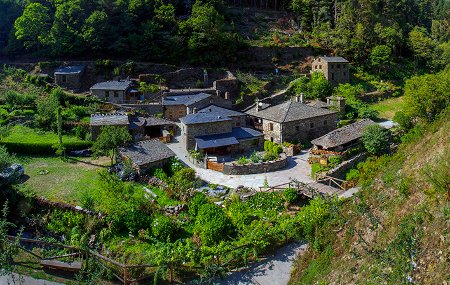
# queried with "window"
point(325, 122)
point(311, 125)
point(320, 66)
point(237, 121)
point(297, 128)
point(332, 76)
point(344, 73)
point(338, 66)
point(64, 78)
point(116, 94)
point(107, 94)
point(331, 66)
point(270, 126)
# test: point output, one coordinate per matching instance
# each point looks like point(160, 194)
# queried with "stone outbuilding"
point(335, 69)
point(145, 155)
point(176, 107)
point(118, 91)
point(291, 121)
point(100, 120)
point(218, 134)
point(343, 138)
point(70, 77)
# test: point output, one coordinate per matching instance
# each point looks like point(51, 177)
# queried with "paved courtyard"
point(298, 168)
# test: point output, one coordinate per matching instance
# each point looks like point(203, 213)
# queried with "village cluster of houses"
point(207, 121)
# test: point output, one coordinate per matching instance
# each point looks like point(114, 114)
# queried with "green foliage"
point(33, 26)
point(63, 221)
point(352, 175)
point(6, 159)
point(255, 157)
point(243, 160)
point(355, 108)
point(317, 87)
point(212, 224)
point(198, 200)
point(163, 228)
point(184, 178)
point(316, 168)
point(290, 195)
point(380, 56)
point(313, 216)
point(319, 266)
point(403, 120)
point(375, 139)
point(427, 95)
point(110, 138)
point(239, 214)
point(266, 202)
point(334, 160)
point(8, 249)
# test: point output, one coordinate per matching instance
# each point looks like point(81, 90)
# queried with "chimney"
point(194, 110)
point(227, 96)
point(257, 105)
point(302, 95)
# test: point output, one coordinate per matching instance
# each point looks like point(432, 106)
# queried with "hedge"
point(42, 147)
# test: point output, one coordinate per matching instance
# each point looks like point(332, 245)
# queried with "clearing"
point(387, 108)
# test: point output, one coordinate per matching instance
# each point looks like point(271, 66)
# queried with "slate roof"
point(145, 152)
point(136, 122)
point(185, 100)
point(120, 85)
point(225, 139)
point(213, 109)
point(318, 104)
point(289, 111)
point(342, 135)
point(114, 119)
point(74, 69)
point(334, 59)
point(201, 118)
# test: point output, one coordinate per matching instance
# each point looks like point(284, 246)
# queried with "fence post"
point(125, 275)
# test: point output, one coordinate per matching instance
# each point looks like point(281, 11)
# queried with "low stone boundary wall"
point(340, 170)
point(232, 168)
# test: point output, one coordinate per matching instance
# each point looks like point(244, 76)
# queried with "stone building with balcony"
point(335, 69)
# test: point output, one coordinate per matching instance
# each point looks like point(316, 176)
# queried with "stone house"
point(333, 102)
point(239, 118)
point(176, 107)
point(291, 121)
point(100, 120)
point(70, 77)
point(334, 68)
point(145, 155)
point(343, 138)
point(120, 91)
point(217, 134)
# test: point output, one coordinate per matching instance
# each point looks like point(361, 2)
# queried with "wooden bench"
point(60, 265)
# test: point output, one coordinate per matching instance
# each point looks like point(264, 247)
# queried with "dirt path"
point(274, 270)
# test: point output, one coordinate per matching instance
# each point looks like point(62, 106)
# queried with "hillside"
point(396, 230)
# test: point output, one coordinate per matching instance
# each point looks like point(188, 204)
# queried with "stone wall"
point(151, 109)
point(274, 134)
point(101, 94)
point(232, 168)
point(175, 112)
point(192, 131)
point(310, 128)
point(340, 170)
point(248, 145)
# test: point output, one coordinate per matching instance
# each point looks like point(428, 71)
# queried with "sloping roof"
point(146, 152)
point(74, 69)
point(120, 85)
point(114, 119)
point(318, 104)
point(136, 122)
point(334, 59)
point(185, 100)
point(218, 140)
point(289, 111)
point(342, 135)
point(201, 118)
point(219, 111)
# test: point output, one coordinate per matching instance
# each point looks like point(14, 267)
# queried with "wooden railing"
point(333, 182)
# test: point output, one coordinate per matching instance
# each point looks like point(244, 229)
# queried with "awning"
point(212, 141)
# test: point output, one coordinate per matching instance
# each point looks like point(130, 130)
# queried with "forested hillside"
point(167, 31)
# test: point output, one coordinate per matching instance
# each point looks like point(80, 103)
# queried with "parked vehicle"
point(11, 174)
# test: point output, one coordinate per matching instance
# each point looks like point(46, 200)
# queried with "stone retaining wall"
point(232, 168)
point(340, 170)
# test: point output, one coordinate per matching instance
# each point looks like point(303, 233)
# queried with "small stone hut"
point(70, 77)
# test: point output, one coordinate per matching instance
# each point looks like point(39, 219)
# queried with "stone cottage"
point(218, 134)
point(145, 155)
point(239, 118)
point(334, 68)
point(291, 121)
point(179, 106)
point(70, 77)
point(119, 91)
point(100, 120)
point(343, 138)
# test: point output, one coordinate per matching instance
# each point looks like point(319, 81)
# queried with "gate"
point(215, 166)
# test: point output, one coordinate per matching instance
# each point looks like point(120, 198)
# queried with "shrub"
point(403, 120)
point(334, 160)
point(163, 228)
point(352, 175)
point(240, 214)
point(212, 224)
point(375, 139)
point(290, 195)
point(242, 160)
point(196, 202)
point(266, 202)
point(160, 174)
point(313, 216)
point(277, 149)
point(136, 220)
point(6, 159)
point(269, 156)
point(315, 169)
point(255, 157)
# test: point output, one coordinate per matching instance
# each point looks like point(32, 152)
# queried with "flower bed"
point(233, 168)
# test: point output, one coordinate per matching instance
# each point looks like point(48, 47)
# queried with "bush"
point(240, 214)
point(403, 120)
point(136, 220)
point(375, 139)
point(242, 160)
point(212, 224)
point(269, 156)
point(316, 168)
point(313, 216)
point(277, 149)
point(290, 195)
point(160, 174)
point(266, 202)
point(255, 157)
point(196, 202)
point(163, 228)
point(352, 175)
point(334, 160)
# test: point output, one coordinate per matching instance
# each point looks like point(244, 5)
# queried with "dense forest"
point(205, 33)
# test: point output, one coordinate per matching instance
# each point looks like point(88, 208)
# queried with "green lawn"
point(25, 134)
point(387, 108)
point(64, 180)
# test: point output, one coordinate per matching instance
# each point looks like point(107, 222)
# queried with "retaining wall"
point(232, 168)
point(340, 170)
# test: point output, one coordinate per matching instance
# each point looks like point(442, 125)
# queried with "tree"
point(95, 30)
point(212, 224)
point(375, 139)
point(380, 56)
point(403, 120)
point(33, 26)
point(6, 159)
point(47, 107)
point(110, 138)
point(427, 95)
point(7, 249)
point(421, 44)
